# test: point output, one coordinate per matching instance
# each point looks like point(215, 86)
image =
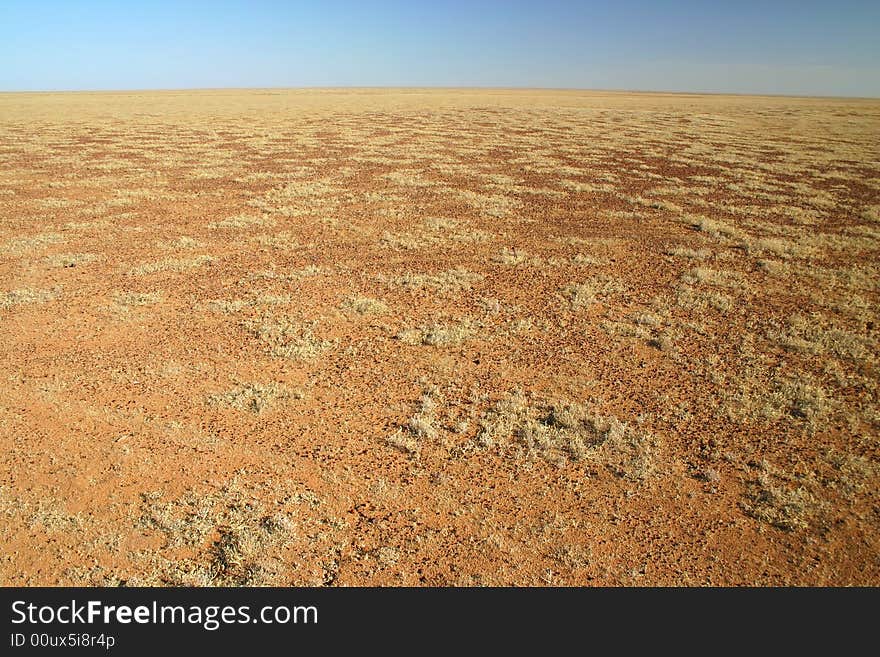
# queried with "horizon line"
point(437, 87)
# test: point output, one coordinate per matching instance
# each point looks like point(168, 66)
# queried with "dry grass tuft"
point(254, 397)
point(406, 241)
point(243, 221)
point(70, 259)
point(365, 306)
point(871, 213)
point(286, 338)
point(86, 225)
point(685, 252)
point(721, 278)
point(440, 224)
point(309, 271)
point(581, 295)
point(410, 437)
point(137, 298)
point(439, 335)
point(284, 240)
point(578, 186)
point(715, 227)
point(182, 242)
point(229, 535)
point(703, 300)
point(511, 257)
point(779, 247)
point(779, 504)
point(565, 432)
point(171, 264)
point(27, 296)
point(25, 245)
point(816, 335)
point(453, 280)
point(757, 395)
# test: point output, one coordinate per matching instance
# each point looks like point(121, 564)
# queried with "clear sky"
point(783, 46)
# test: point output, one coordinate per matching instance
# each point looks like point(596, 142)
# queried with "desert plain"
point(438, 337)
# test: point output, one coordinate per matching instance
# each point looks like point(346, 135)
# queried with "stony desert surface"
point(438, 337)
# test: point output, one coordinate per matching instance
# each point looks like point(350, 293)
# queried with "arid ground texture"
point(438, 337)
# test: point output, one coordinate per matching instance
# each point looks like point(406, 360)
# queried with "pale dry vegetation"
point(566, 432)
point(440, 335)
point(457, 337)
point(446, 282)
point(254, 397)
point(227, 537)
point(365, 305)
point(128, 299)
point(171, 265)
point(287, 338)
point(27, 296)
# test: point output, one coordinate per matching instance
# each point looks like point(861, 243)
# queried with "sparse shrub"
point(286, 338)
point(254, 397)
point(410, 437)
point(784, 507)
point(510, 257)
point(871, 213)
point(581, 295)
point(70, 259)
point(365, 305)
point(453, 280)
point(438, 335)
point(137, 298)
point(171, 264)
point(715, 227)
point(566, 432)
point(685, 252)
point(27, 296)
point(242, 221)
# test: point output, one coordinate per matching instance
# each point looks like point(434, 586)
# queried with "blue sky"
point(786, 47)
